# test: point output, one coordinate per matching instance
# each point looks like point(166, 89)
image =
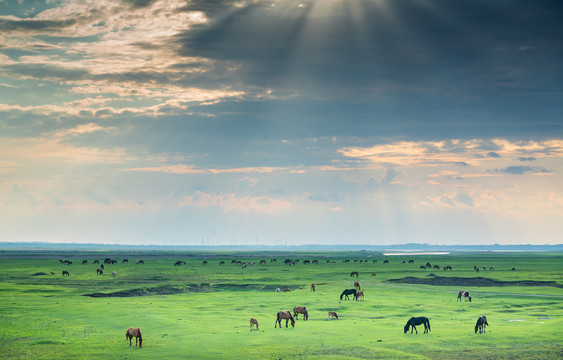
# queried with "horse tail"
point(140, 335)
point(428, 321)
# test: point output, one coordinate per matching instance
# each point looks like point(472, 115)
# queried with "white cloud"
point(230, 203)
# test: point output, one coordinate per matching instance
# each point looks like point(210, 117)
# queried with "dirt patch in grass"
point(474, 281)
point(161, 290)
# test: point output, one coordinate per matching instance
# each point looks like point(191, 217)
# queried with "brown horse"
point(332, 314)
point(301, 310)
point(360, 294)
point(357, 285)
point(284, 315)
point(134, 332)
point(253, 322)
point(313, 288)
point(459, 295)
point(286, 290)
point(99, 272)
point(65, 273)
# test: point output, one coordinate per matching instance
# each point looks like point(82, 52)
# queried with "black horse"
point(347, 293)
point(417, 321)
point(481, 324)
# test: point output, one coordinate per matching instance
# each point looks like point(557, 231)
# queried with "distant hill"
point(412, 247)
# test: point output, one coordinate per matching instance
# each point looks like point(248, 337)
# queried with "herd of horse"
point(356, 294)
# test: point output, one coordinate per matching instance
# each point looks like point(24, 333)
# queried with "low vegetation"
point(202, 311)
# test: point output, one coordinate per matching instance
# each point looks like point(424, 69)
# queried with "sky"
point(281, 122)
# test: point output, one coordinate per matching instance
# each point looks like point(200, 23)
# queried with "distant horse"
point(284, 315)
point(372, 274)
point(113, 273)
point(65, 273)
point(354, 273)
point(313, 287)
point(423, 267)
point(357, 285)
point(138, 262)
point(436, 267)
point(99, 272)
point(347, 293)
point(179, 263)
point(278, 289)
point(134, 332)
point(286, 290)
point(332, 314)
point(467, 296)
point(301, 310)
point(253, 322)
point(204, 262)
point(360, 294)
point(417, 321)
point(125, 261)
point(102, 266)
point(52, 273)
point(84, 262)
point(386, 261)
point(96, 261)
point(411, 261)
point(459, 295)
point(481, 324)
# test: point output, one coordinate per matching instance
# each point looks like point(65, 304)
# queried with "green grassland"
point(202, 312)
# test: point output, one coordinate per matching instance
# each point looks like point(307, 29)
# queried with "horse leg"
point(414, 327)
point(286, 321)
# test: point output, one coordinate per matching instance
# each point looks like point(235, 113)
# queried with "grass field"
point(202, 312)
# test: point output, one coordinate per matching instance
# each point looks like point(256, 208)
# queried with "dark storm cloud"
point(494, 65)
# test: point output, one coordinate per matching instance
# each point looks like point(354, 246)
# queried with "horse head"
point(406, 328)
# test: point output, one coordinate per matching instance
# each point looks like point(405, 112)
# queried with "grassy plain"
point(48, 317)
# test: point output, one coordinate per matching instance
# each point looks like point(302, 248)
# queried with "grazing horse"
point(459, 295)
point(284, 315)
point(113, 273)
point(372, 274)
point(466, 296)
point(332, 314)
point(423, 267)
point(347, 293)
point(357, 285)
point(99, 272)
point(52, 273)
point(360, 294)
point(134, 332)
point(65, 273)
point(481, 324)
point(204, 262)
point(313, 288)
point(354, 273)
point(253, 322)
point(84, 262)
point(301, 310)
point(286, 290)
point(417, 321)
point(278, 289)
point(179, 262)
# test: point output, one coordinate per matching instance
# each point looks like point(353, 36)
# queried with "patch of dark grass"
point(160, 290)
point(474, 281)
